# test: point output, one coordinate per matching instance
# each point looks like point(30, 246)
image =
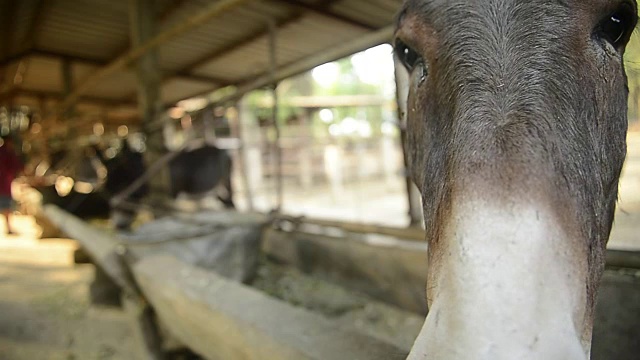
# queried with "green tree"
point(632, 65)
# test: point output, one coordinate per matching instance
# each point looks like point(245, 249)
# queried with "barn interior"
point(325, 241)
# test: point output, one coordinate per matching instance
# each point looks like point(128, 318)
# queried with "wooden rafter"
point(125, 59)
point(170, 9)
point(7, 19)
point(37, 14)
point(218, 53)
point(96, 62)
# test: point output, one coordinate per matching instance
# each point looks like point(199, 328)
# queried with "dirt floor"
point(44, 308)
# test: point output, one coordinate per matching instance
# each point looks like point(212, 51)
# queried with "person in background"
point(10, 166)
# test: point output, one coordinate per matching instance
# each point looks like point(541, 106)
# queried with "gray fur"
point(523, 96)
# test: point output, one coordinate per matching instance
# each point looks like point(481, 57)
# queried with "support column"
point(7, 27)
point(69, 114)
point(142, 29)
point(274, 91)
point(251, 153)
point(414, 200)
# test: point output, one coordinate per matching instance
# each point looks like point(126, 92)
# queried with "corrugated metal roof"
point(376, 12)
point(294, 41)
point(229, 49)
point(87, 28)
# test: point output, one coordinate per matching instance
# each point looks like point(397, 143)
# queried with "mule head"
point(516, 125)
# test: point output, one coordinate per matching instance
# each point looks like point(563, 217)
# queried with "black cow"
point(199, 171)
point(195, 172)
point(122, 170)
point(83, 166)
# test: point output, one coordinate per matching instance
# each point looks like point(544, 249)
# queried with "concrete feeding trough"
point(220, 317)
point(315, 291)
point(392, 267)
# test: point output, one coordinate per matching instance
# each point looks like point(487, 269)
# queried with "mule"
point(516, 127)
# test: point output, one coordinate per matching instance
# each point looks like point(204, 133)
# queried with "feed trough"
point(285, 288)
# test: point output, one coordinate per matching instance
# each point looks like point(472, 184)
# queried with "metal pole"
point(274, 114)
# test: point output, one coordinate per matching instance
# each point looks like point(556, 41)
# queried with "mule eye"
point(409, 57)
point(616, 28)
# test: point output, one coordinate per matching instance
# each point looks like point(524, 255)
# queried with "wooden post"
point(636, 104)
point(7, 29)
point(274, 89)
point(142, 25)
point(402, 93)
point(69, 114)
point(252, 145)
point(305, 152)
point(236, 131)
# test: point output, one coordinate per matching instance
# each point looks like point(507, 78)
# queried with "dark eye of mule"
point(617, 27)
point(409, 57)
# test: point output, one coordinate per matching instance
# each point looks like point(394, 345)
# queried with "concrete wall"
point(395, 272)
point(616, 334)
point(388, 269)
point(222, 319)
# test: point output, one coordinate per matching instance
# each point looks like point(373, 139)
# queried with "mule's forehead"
point(501, 50)
point(453, 12)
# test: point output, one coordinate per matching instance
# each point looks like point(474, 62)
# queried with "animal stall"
point(228, 285)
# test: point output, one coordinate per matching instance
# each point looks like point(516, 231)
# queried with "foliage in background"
point(632, 64)
point(359, 75)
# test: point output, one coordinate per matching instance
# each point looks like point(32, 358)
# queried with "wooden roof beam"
point(57, 96)
point(100, 63)
point(37, 13)
point(125, 59)
point(218, 53)
point(171, 9)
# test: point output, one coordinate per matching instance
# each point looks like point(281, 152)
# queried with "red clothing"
point(10, 166)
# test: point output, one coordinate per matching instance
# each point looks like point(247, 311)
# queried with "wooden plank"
point(108, 255)
point(410, 233)
point(221, 319)
point(100, 246)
